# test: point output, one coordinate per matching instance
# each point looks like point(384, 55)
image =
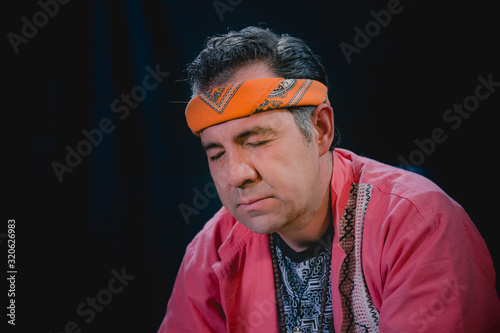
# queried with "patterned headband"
point(245, 98)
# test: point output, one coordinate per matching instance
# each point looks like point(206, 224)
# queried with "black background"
point(119, 208)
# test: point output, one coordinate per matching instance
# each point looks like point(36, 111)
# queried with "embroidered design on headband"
point(268, 105)
point(283, 88)
point(298, 95)
point(218, 98)
point(281, 91)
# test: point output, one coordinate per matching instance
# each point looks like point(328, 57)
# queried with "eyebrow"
point(211, 145)
point(256, 130)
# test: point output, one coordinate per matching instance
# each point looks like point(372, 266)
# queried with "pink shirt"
point(425, 265)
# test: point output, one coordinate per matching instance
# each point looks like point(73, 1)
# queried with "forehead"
point(274, 121)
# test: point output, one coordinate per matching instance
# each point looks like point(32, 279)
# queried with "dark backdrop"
point(86, 67)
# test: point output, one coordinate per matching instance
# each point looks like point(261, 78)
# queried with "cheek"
point(286, 181)
point(293, 193)
point(218, 175)
point(223, 190)
point(291, 167)
point(220, 189)
point(295, 179)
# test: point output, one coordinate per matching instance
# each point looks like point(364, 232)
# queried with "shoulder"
point(401, 189)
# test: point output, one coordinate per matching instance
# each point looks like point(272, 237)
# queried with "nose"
point(240, 170)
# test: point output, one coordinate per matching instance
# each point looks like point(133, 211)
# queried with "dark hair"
point(286, 56)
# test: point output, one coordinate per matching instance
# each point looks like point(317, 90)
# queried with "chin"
point(260, 226)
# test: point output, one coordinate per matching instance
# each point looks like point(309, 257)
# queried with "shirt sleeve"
point(435, 270)
point(194, 304)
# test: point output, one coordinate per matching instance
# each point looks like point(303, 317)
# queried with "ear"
point(322, 121)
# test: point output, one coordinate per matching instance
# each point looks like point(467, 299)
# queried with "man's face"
point(266, 173)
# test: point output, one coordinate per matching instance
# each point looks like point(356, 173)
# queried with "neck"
point(300, 236)
point(300, 239)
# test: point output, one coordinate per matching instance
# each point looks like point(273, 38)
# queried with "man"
point(314, 238)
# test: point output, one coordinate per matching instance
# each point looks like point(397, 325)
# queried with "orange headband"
point(245, 98)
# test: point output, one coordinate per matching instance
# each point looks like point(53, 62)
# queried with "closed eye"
point(257, 144)
point(216, 156)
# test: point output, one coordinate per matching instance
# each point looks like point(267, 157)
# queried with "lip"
point(253, 203)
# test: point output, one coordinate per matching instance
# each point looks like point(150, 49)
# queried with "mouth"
point(253, 203)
